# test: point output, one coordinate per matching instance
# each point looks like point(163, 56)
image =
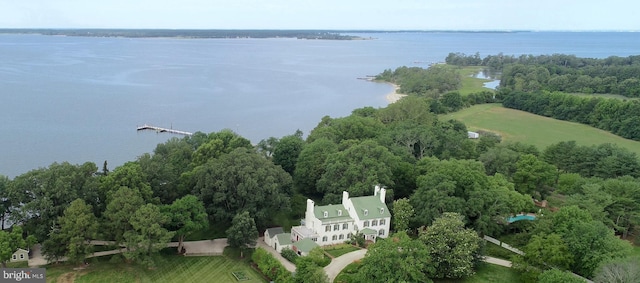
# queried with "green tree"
point(541, 253)
point(287, 151)
point(310, 165)
point(558, 276)
point(5, 201)
point(148, 236)
point(396, 259)
point(165, 166)
point(240, 181)
point(122, 206)
point(78, 226)
point(243, 232)
point(402, 213)
point(129, 175)
point(356, 170)
point(10, 242)
point(454, 250)
point(307, 271)
point(186, 215)
point(534, 176)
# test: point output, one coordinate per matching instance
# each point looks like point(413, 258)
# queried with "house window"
point(336, 227)
point(339, 212)
point(324, 239)
point(366, 212)
point(381, 232)
point(349, 235)
point(366, 223)
point(382, 210)
point(374, 222)
point(345, 226)
point(341, 237)
point(21, 256)
point(15, 257)
point(335, 237)
point(382, 222)
point(314, 239)
point(326, 214)
point(327, 228)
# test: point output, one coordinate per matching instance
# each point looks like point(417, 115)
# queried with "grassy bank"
point(470, 83)
point(514, 125)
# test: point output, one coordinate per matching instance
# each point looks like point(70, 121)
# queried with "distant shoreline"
point(394, 96)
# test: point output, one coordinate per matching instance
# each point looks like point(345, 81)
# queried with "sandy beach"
point(394, 96)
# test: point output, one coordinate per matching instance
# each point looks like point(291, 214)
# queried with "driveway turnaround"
point(339, 263)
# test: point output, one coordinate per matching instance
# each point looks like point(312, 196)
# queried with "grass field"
point(170, 268)
point(514, 125)
point(338, 250)
point(470, 83)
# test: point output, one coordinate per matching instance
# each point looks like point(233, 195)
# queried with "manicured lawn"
point(170, 268)
point(339, 250)
point(514, 125)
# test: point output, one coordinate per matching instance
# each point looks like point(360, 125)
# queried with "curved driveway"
point(337, 264)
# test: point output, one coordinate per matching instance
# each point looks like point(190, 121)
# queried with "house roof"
point(274, 231)
point(19, 250)
point(284, 239)
point(368, 231)
point(333, 213)
point(372, 205)
point(305, 245)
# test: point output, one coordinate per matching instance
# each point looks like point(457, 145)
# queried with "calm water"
point(80, 99)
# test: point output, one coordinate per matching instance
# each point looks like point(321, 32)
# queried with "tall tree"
point(624, 270)
point(287, 151)
point(10, 242)
point(402, 213)
point(77, 227)
point(356, 170)
point(396, 259)
point(453, 249)
point(147, 236)
point(310, 165)
point(186, 215)
point(534, 176)
point(240, 181)
point(122, 205)
point(243, 232)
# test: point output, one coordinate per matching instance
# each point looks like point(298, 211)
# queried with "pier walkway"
point(163, 130)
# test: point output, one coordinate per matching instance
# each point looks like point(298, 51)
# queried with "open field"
point(514, 125)
point(470, 83)
point(170, 268)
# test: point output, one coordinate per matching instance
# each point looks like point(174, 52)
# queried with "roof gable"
point(370, 207)
point(274, 231)
point(334, 212)
point(284, 239)
point(305, 245)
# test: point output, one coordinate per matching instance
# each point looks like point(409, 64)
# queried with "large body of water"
point(80, 99)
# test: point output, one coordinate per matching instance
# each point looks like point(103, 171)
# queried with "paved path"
point(497, 261)
point(339, 263)
point(287, 264)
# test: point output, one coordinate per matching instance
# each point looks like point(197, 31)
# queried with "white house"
point(20, 255)
point(333, 224)
point(270, 234)
point(473, 135)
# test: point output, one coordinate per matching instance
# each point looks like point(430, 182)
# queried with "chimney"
point(345, 197)
point(376, 190)
point(383, 194)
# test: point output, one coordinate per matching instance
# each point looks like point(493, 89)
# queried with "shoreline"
point(394, 96)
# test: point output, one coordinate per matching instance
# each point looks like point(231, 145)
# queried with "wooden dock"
point(163, 130)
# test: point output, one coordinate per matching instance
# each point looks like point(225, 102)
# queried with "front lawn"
point(338, 250)
point(170, 268)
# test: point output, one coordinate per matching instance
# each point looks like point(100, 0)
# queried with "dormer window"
point(366, 212)
point(326, 214)
point(382, 210)
point(339, 212)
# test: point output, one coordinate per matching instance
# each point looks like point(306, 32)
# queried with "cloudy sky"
point(618, 15)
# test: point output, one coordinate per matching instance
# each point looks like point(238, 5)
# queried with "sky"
point(578, 15)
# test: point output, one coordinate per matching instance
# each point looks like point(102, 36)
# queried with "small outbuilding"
point(473, 135)
point(20, 255)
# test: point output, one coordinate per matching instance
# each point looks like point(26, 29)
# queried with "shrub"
point(289, 254)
